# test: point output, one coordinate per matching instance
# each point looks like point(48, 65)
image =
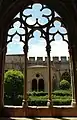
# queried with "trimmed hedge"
point(59, 97)
point(56, 92)
point(61, 101)
point(44, 102)
point(62, 93)
point(34, 93)
point(37, 102)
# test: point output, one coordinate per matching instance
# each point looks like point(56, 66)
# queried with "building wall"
point(38, 67)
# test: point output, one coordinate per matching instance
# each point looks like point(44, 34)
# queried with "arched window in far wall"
point(41, 85)
point(34, 85)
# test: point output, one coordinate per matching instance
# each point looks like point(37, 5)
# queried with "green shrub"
point(38, 97)
point(56, 92)
point(17, 100)
point(13, 86)
point(34, 93)
point(44, 102)
point(61, 97)
point(61, 101)
point(56, 99)
point(37, 102)
point(66, 76)
point(62, 93)
point(64, 85)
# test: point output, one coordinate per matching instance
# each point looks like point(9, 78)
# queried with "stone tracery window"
point(38, 82)
point(48, 22)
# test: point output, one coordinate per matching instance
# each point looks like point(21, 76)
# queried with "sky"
point(37, 45)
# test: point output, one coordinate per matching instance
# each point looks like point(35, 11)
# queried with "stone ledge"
point(19, 111)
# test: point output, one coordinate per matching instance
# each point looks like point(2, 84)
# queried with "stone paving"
point(39, 118)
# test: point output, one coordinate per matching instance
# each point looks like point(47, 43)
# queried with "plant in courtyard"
point(13, 85)
point(61, 92)
point(64, 85)
point(66, 76)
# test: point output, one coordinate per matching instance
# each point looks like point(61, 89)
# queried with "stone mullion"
point(73, 103)
point(49, 103)
point(2, 70)
point(74, 58)
point(3, 51)
point(72, 84)
point(1, 81)
point(25, 97)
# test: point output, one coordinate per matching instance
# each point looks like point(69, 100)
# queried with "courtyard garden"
point(13, 92)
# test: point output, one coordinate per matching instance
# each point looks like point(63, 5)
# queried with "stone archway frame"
point(66, 11)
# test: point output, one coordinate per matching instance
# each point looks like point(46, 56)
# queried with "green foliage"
point(64, 85)
point(59, 97)
point(62, 93)
point(56, 92)
point(66, 76)
point(34, 93)
point(13, 86)
point(42, 100)
point(37, 102)
point(61, 101)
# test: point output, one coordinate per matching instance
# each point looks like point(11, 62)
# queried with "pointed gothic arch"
point(25, 30)
point(68, 14)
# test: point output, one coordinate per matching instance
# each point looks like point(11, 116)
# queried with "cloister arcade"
point(68, 12)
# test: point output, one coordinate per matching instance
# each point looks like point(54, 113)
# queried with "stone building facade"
point(37, 70)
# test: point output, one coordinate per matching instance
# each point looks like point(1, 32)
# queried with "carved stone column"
point(2, 70)
point(74, 58)
point(25, 97)
point(49, 103)
point(73, 103)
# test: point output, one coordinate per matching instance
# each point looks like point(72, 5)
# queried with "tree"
point(13, 85)
point(64, 85)
point(66, 76)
